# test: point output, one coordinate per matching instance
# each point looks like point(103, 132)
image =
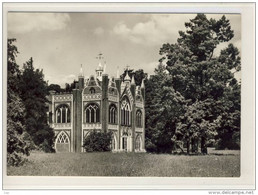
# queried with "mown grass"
point(128, 164)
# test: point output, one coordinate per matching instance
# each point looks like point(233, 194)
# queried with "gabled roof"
point(128, 93)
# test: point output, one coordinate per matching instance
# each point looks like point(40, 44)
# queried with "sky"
point(60, 43)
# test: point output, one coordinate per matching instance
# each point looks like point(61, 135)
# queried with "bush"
point(98, 142)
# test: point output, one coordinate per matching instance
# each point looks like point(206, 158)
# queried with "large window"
point(125, 113)
point(112, 114)
point(138, 118)
point(63, 114)
point(92, 113)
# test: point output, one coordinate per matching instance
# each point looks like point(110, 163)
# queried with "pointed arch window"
point(62, 138)
point(138, 118)
point(92, 113)
point(62, 143)
point(112, 114)
point(125, 113)
point(63, 114)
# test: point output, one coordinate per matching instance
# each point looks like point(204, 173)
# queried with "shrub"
point(98, 142)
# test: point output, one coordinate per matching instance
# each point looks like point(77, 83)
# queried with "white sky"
point(60, 42)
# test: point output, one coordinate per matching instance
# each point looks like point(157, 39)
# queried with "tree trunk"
point(197, 147)
point(203, 145)
point(193, 147)
point(188, 146)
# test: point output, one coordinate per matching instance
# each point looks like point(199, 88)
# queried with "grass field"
point(129, 164)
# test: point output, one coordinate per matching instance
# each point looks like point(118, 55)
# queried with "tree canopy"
point(33, 93)
point(55, 88)
point(17, 146)
point(205, 82)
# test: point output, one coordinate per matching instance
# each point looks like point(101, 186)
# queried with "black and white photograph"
point(123, 94)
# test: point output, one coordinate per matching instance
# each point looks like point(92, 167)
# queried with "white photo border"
point(247, 178)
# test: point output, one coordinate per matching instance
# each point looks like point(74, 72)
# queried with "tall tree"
point(17, 146)
point(203, 79)
point(34, 92)
point(163, 106)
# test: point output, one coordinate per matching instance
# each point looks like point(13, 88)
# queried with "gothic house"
point(99, 103)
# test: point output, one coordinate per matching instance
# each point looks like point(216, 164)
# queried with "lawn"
point(129, 164)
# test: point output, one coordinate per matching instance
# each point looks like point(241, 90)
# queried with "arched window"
point(92, 113)
point(125, 113)
point(63, 114)
point(112, 114)
point(62, 143)
point(92, 90)
point(138, 118)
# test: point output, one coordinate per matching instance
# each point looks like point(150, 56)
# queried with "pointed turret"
point(127, 78)
point(104, 68)
point(142, 85)
point(143, 89)
point(81, 79)
point(81, 72)
point(100, 68)
point(133, 81)
point(99, 71)
point(118, 80)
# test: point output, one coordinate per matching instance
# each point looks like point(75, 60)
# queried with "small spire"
point(81, 72)
point(133, 81)
point(142, 85)
point(104, 68)
point(127, 78)
point(100, 57)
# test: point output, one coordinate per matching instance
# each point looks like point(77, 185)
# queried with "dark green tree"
point(33, 93)
point(55, 87)
point(163, 105)
point(204, 80)
point(68, 87)
point(98, 142)
point(17, 146)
